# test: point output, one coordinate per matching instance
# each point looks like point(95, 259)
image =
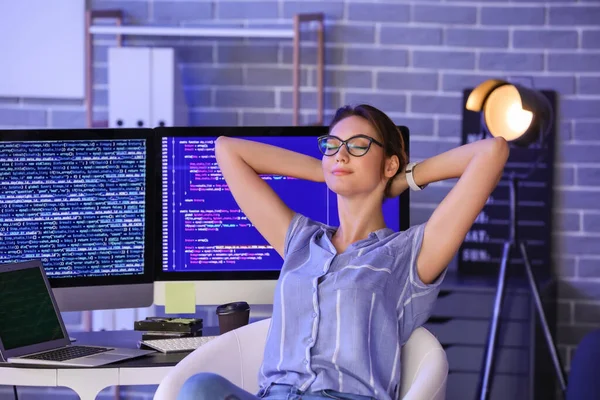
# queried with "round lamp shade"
point(518, 114)
point(504, 114)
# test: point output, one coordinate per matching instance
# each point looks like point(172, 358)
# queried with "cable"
point(15, 391)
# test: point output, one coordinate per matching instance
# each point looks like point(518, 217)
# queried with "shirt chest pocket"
point(370, 272)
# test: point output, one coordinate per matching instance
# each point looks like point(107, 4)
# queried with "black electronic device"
point(189, 326)
point(168, 335)
point(206, 238)
point(83, 202)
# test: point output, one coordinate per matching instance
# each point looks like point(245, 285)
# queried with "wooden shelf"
point(192, 32)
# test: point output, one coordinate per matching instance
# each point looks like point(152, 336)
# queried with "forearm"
point(490, 153)
point(272, 160)
point(452, 163)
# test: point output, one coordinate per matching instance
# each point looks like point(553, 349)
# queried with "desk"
point(88, 382)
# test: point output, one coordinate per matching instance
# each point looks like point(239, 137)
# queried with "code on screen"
point(78, 205)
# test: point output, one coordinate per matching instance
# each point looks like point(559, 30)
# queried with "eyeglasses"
point(356, 146)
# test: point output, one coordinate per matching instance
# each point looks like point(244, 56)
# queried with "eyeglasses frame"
point(345, 143)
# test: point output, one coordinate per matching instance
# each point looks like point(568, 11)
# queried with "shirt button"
point(310, 340)
point(314, 315)
point(305, 362)
point(314, 289)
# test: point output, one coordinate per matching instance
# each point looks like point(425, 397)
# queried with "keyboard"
point(67, 353)
point(177, 345)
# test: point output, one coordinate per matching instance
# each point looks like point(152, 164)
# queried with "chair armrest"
point(235, 355)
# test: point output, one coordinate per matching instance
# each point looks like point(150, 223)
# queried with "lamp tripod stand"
point(513, 241)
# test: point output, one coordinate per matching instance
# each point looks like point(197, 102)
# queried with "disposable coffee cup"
point(233, 315)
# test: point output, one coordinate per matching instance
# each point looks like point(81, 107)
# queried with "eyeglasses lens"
point(358, 146)
point(329, 145)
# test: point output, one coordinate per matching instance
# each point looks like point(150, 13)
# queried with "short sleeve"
point(418, 299)
point(416, 242)
point(299, 233)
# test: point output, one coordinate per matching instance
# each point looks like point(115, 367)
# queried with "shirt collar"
point(380, 234)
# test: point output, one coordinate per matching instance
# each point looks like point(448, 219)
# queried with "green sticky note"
point(180, 298)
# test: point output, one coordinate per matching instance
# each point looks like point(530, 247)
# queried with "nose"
point(342, 155)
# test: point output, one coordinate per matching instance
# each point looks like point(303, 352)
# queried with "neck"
point(358, 218)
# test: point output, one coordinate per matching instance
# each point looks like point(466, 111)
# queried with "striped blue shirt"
point(339, 320)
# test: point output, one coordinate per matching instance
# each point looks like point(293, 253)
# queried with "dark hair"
point(391, 137)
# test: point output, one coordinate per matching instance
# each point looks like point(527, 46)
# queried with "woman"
point(349, 297)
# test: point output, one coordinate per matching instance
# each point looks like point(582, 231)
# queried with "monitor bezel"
point(238, 131)
point(149, 135)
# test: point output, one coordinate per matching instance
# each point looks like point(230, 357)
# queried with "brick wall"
point(412, 59)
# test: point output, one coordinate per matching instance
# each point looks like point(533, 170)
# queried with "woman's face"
point(348, 175)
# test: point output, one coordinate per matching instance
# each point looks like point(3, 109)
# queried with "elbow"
point(222, 148)
point(222, 144)
point(227, 150)
point(499, 149)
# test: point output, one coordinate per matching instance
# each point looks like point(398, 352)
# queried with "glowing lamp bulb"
point(517, 120)
point(504, 114)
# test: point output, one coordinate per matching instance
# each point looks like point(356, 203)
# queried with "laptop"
point(32, 330)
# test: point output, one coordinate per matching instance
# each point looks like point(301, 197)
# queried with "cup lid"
point(230, 308)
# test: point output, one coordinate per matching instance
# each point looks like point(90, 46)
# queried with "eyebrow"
point(353, 136)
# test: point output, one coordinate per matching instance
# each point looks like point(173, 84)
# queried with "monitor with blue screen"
point(79, 201)
point(205, 236)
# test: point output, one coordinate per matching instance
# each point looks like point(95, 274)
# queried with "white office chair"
point(237, 356)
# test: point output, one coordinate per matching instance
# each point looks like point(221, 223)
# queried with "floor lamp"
point(523, 117)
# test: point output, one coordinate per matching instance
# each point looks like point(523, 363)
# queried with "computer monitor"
point(205, 236)
point(80, 201)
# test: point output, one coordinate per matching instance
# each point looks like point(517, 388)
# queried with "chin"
point(350, 188)
point(344, 192)
point(345, 189)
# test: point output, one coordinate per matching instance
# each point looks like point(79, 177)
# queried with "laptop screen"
point(27, 315)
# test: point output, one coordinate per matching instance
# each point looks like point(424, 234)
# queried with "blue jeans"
point(208, 386)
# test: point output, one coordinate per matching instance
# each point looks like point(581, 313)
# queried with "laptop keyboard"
point(68, 353)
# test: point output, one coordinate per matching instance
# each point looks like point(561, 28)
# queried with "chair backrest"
point(237, 356)
point(424, 367)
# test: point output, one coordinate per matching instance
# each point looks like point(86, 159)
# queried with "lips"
point(340, 171)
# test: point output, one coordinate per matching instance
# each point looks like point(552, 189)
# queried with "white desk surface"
point(88, 382)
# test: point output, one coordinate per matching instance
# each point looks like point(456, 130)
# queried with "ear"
point(391, 166)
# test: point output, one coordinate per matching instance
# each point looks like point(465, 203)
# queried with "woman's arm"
point(243, 161)
point(479, 166)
